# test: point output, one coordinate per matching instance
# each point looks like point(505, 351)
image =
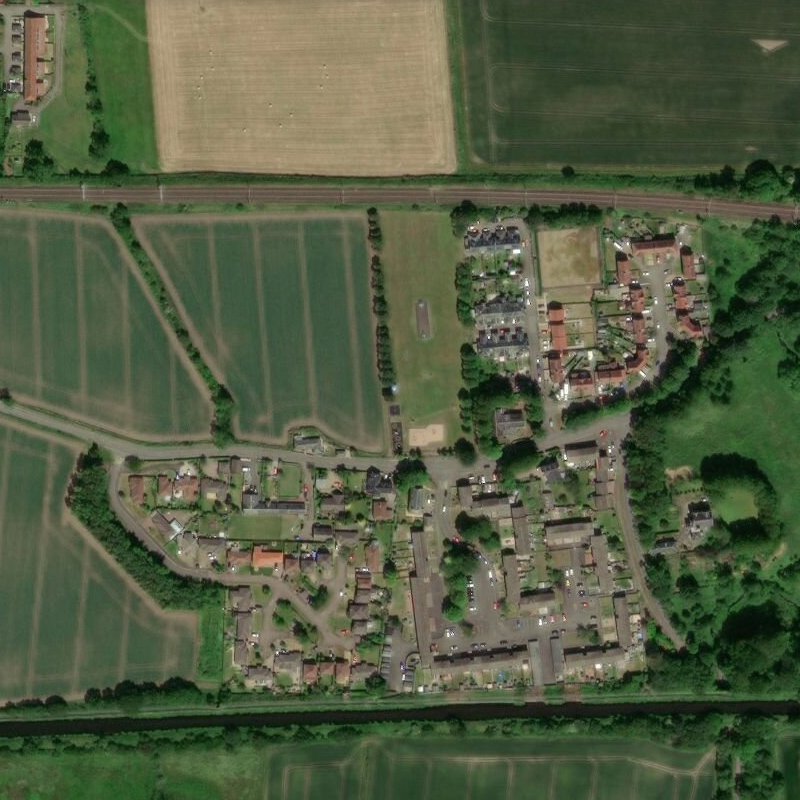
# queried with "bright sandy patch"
point(352, 87)
point(425, 437)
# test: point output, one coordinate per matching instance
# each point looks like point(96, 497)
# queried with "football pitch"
point(281, 308)
point(578, 82)
point(477, 769)
point(74, 619)
point(82, 336)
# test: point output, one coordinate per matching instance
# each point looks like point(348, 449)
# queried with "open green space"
point(736, 502)
point(78, 621)
point(592, 84)
point(789, 756)
point(280, 307)
point(289, 483)
point(420, 255)
point(84, 338)
point(122, 62)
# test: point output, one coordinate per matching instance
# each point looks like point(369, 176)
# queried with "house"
point(622, 618)
point(35, 50)
point(624, 276)
point(346, 537)
point(381, 511)
point(639, 329)
point(136, 486)
point(492, 505)
point(267, 558)
point(568, 533)
point(543, 602)
point(241, 598)
point(362, 672)
point(363, 579)
point(164, 489)
point(690, 326)
point(374, 557)
point(555, 368)
point(291, 566)
point(309, 444)
point(594, 663)
point(357, 611)
point(361, 627)
point(241, 654)
point(610, 374)
point(327, 670)
point(699, 520)
point(162, 524)
point(687, 264)
point(21, 117)
point(465, 494)
point(556, 313)
point(636, 298)
point(511, 573)
point(310, 673)
point(289, 665)
point(558, 337)
point(216, 549)
point(510, 424)
point(362, 596)
point(258, 677)
point(343, 673)
point(212, 489)
point(638, 361)
point(657, 248)
point(321, 532)
point(238, 559)
point(580, 454)
point(186, 488)
point(332, 505)
point(581, 383)
point(377, 482)
point(244, 626)
point(416, 502)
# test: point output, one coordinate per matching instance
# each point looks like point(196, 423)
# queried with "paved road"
point(287, 194)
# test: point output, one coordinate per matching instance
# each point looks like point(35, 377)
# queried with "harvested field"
point(569, 257)
point(356, 87)
point(280, 306)
point(78, 620)
point(592, 84)
point(419, 259)
point(83, 336)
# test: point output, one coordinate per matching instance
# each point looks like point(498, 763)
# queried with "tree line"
point(380, 307)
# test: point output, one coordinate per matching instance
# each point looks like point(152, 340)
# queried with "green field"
point(122, 62)
point(82, 335)
point(604, 84)
point(263, 528)
point(789, 755)
point(280, 307)
point(75, 619)
point(419, 256)
point(390, 769)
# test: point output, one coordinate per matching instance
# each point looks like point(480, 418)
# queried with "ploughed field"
point(74, 619)
point(344, 88)
point(83, 337)
point(578, 82)
point(281, 308)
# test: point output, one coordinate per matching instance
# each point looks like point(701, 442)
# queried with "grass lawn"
point(65, 123)
point(83, 335)
point(280, 306)
point(122, 63)
point(585, 83)
point(420, 255)
point(78, 620)
point(761, 418)
point(290, 481)
point(736, 503)
point(259, 528)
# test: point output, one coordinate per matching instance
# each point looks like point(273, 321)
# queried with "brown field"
point(569, 257)
point(355, 87)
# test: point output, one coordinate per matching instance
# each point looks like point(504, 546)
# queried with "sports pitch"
point(82, 336)
point(481, 769)
point(74, 619)
point(281, 308)
point(579, 82)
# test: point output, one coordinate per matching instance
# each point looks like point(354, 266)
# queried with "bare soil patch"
point(356, 87)
point(427, 436)
point(423, 313)
point(569, 257)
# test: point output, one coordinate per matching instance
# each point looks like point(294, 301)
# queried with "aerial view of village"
point(399, 401)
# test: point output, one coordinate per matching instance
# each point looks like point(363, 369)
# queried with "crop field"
point(76, 620)
point(607, 84)
point(478, 769)
point(569, 257)
point(122, 61)
point(281, 308)
point(390, 769)
point(350, 88)
point(82, 335)
point(419, 256)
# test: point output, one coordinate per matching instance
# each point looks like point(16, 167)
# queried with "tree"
point(465, 451)
point(37, 164)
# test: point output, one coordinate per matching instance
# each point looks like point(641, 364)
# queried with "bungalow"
point(308, 444)
point(244, 626)
point(332, 505)
point(416, 502)
point(241, 654)
point(266, 558)
point(327, 670)
point(215, 548)
point(291, 566)
point(346, 537)
point(374, 557)
point(136, 487)
point(289, 665)
point(362, 672)
point(690, 326)
point(356, 611)
point(241, 598)
point(186, 488)
point(238, 559)
point(321, 532)
point(162, 524)
point(343, 673)
point(258, 677)
point(310, 673)
point(377, 482)
point(212, 489)
point(164, 489)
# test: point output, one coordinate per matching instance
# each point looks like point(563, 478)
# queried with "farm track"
point(447, 196)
